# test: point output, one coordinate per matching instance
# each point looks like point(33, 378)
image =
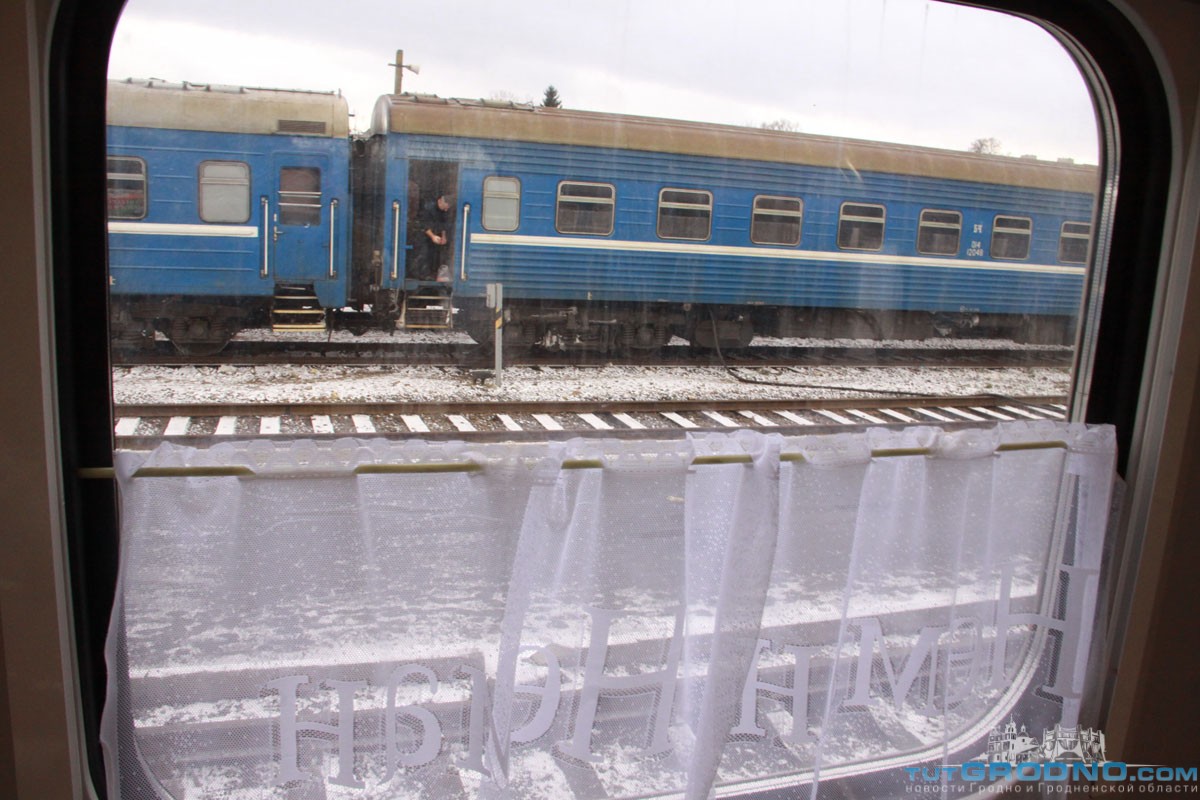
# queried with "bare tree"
point(781, 124)
point(989, 147)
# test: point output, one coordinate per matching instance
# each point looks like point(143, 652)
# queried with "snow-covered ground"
point(374, 383)
point(269, 384)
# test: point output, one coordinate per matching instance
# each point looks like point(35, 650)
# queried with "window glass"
point(585, 208)
point(860, 227)
point(126, 188)
point(1011, 237)
point(939, 232)
point(776, 220)
point(684, 214)
point(300, 196)
point(501, 203)
point(1073, 242)
point(224, 191)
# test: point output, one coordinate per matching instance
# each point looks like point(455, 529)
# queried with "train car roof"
point(227, 109)
point(482, 119)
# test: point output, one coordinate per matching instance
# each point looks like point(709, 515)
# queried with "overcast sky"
point(896, 70)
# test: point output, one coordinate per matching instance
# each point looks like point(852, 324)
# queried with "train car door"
point(300, 218)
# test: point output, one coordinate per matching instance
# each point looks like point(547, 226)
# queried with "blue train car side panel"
point(172, 249)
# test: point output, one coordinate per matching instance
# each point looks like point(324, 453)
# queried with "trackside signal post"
point(495, 301)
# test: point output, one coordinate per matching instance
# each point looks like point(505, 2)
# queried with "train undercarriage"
point(203, 326)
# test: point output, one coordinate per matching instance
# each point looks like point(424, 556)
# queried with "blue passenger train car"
point(231, 207)
point(227, 206)
point(615, 231)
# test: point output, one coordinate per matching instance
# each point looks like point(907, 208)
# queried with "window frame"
point(1064, 236)
point(1118, 56)
point(202, 182)
point(674, 206)
point(843, 218)
point(300, 214)
point(997, 230)
point(485, 205)
point(922, 224)
point(611, 204)
point(125, 176)
point(755, 213)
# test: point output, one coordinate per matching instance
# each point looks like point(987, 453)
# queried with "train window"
point(300, 196)
point(1073, 242)
point(1011, 237)
point(684, 214)
point(585, 208)
point(776, 220)
point(447, 226)
point(501, 203)
point(860, 226)
point(126, 187)
point(939, 232)
point(224, 191)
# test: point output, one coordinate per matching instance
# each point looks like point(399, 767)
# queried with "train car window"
point(1011, 237)
point(1074, 241)
point(776, 220)
point(126, 187)
point(684, 214)
point(501, 203)
point(861, 226)
point(299, 196)
point(939, 232)
point(224, 191)
point(585, 208)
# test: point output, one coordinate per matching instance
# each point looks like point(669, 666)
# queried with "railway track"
point(145, 426)
point(471, 355)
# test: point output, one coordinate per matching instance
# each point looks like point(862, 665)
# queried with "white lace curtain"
point(597, 619)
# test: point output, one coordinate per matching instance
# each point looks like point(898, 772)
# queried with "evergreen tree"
point(551, 98)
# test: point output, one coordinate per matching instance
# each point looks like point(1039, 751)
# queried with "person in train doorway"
point(433, 250)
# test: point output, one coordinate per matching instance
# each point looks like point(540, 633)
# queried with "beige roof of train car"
point(528, 123)
point(226, 109)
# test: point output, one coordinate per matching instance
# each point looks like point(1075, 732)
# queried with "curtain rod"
point(108, 473)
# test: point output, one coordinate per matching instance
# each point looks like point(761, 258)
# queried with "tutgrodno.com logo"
point(1061, 757)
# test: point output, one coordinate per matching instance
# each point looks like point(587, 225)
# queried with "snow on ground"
point(368, 384)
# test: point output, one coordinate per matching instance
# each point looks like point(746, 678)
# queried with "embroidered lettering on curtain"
point(597, 619)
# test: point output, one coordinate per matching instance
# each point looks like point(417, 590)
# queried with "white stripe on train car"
point(630, 246)
point(179, 229)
